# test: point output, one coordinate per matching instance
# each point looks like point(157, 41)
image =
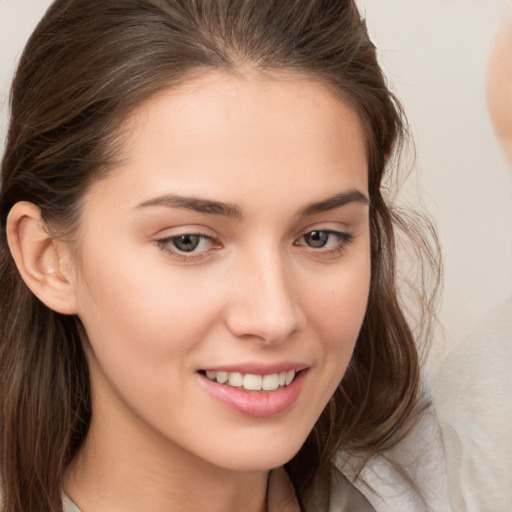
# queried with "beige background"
point(434, 53)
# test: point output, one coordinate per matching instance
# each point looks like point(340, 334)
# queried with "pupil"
point(317, 238)
point(186, 243)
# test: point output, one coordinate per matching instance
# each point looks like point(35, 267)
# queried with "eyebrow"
point(209, 206)
point(196, 204)
point(335, 201)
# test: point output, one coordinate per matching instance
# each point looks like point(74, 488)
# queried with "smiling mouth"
point(252, 382)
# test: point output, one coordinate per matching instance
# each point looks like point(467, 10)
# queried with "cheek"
point(337, 308)
point(336, 312)
point(143, 330)
point(132, 313)
point(338, 316)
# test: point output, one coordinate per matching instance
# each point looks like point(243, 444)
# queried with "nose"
point(264, 303)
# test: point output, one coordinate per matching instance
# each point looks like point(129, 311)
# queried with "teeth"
point(252, 382)
point(236, 379)
point(222, 377)
point(270, 382)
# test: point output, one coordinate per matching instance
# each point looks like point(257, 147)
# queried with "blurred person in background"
point(473, 388)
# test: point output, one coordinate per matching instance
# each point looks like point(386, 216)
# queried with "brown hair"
point(88, 64)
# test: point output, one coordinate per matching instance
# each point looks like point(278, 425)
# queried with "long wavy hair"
point(88, 64)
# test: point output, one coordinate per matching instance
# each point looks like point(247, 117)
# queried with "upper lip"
point(258, 368)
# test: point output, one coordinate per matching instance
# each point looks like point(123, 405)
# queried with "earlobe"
point(42, 261)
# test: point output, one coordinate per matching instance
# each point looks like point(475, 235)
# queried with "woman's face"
point(231, 243)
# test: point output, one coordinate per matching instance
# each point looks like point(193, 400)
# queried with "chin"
point(258, 456)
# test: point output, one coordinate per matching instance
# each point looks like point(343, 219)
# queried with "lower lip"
point(258, 404)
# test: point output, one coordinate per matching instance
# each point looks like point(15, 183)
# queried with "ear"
point(44, 263)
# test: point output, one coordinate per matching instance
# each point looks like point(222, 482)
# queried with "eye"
point(317, 239)
point(188, 245)
point(320, 239)
point(325, 242)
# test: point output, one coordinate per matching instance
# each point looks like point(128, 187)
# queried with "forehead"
point(240, 135)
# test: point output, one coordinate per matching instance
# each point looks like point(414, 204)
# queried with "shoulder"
point(472, 400)
point(344, 495)
point(410, 476)
point(478, 369)
point(333, 492)
point(479, 358)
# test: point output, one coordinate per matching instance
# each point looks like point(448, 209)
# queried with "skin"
point(499, 86)
point(257, 292)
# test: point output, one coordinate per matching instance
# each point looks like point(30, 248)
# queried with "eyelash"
point(344, 239)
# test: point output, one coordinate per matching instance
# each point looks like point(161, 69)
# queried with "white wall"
point(17, 20)
point(434, 53)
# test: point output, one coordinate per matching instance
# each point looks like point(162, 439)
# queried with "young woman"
point(198, 301)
